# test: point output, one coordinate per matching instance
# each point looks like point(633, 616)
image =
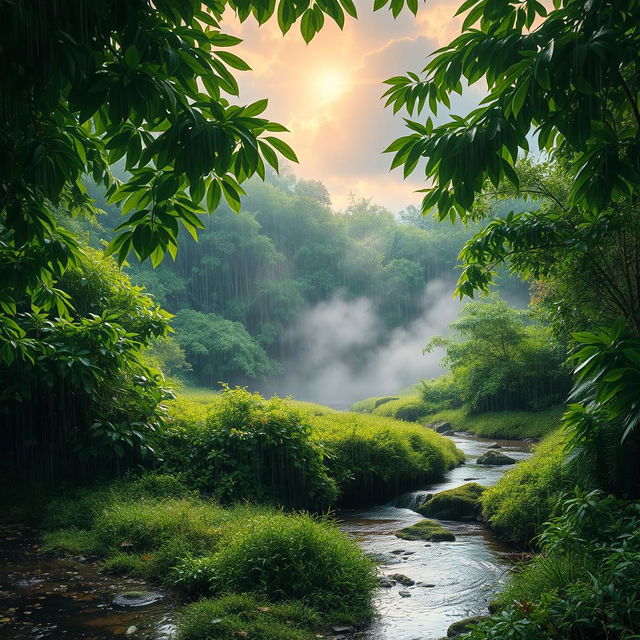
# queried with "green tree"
point(219, 349)
point(502, 359)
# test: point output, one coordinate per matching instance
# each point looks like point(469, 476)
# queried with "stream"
point(454, 580)
point(43, 596)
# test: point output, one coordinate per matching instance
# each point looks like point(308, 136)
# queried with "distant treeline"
point(238, 289)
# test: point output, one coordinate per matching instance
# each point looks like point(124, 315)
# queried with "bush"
point(291, 557)
point(525, 497)
point(204, 549)
point(586, 583)
point(249, 448)
point(374, 459)
point(440, 394)
point(407, 408)
point(298, 454)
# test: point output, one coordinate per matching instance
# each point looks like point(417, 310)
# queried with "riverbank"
point(513, 425)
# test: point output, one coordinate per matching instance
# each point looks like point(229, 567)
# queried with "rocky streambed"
point(441, 582)
point(425, 586)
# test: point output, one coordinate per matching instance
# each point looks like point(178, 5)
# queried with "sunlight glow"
point(330, 84)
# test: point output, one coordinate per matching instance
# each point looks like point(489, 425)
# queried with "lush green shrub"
point(502, 424)
point(441, 393)
point(584, 586)
point(525, 497)
point(374, 459)
point(285, 557)
point(203, 548)
point(249, 448)
point(407, 408)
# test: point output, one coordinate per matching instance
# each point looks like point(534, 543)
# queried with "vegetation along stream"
point(44, 596)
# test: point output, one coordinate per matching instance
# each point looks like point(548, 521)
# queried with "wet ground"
point(43, 596)
point(454, 580)
point(46, 597)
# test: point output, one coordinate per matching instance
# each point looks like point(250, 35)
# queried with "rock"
point(404, 594)
point(397, 552)
point(405, 581)
point(426, 530)
point(469, 479)
point(448, 433)
point(462, 626)
point(441, 427)
point(383, 581)
point(495, 458)
point(461, 503)
point(494, 445)
point(131, 630)
point(134, 599)
point(409, 553)
point(342, 629)
point(28, 583)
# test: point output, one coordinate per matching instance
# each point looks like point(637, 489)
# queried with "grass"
point(298, 454)
point(373, 458)
point(524, 498)
point(242, 615)
point(507, 424)
point(408, 408)
point(460, 503)
point(427, 530)
point(301, 571)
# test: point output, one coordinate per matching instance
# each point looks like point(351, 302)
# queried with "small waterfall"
point(411, 500)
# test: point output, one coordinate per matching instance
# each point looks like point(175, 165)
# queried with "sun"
point(331, 84)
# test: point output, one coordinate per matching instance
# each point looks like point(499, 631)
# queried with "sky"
point(328, 93)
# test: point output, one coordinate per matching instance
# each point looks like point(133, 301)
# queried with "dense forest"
point(239, 289)
point(156, 255)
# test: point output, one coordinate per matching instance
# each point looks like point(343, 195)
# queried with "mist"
point(344, 352)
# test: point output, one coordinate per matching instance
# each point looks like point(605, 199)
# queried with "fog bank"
point(345, 353)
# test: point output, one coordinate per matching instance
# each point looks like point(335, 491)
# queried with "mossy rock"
point(461, 503)
point(495, 458)
point(426, 530)
point(463, 626)
point(440, 427)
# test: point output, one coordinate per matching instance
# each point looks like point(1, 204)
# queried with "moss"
point(426, 530)
point(461, 503)
point(464, 626)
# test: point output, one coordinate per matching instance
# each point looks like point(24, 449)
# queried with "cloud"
point(344, 353)
point(340, 141)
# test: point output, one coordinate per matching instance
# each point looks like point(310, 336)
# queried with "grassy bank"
point(373, 458)
point(525, 497)
point(299, 455)
point(156, 528)
point(504, 424)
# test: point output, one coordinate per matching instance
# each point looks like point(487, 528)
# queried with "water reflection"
point(453, 580)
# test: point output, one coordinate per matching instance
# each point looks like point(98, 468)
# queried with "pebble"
point(404, 594)
point(131, 630)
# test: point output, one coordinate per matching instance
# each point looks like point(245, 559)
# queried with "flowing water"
point(454, 580)
point(46, 597)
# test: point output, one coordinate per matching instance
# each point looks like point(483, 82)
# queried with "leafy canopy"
point(85, 85)
point(568, 75)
